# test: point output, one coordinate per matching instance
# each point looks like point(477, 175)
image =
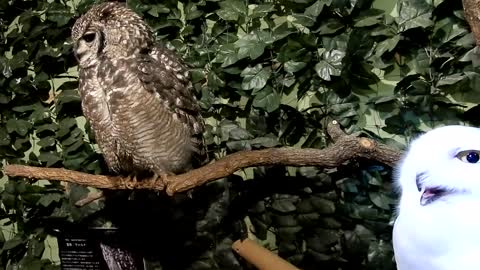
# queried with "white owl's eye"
point(469, 156)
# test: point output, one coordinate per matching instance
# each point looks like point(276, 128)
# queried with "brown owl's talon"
point(161, 180)
point(132, 181)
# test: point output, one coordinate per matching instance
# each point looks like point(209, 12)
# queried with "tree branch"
point(345, 147)
point(471, 9)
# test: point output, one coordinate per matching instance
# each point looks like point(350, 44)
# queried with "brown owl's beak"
point(75, 51)
point(80, 50)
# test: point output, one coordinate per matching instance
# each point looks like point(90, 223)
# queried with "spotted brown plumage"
point(136, 94)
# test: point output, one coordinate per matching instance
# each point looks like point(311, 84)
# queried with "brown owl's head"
point(109, 29)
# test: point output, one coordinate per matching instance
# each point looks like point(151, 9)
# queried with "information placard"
point(97, 249)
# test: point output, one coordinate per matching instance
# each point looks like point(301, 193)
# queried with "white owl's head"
point(441, 163)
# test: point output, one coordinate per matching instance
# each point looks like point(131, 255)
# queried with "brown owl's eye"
point(89, 37)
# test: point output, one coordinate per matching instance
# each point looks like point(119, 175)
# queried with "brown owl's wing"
point(162, 74)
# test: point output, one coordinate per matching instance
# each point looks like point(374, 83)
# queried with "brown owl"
point(136, 94)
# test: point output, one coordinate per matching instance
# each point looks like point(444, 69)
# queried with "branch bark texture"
point(472, 14)
point(345, 147)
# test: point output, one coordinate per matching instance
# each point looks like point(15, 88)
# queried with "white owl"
point(438, 222)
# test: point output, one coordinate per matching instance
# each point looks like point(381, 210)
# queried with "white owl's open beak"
point(432, 194)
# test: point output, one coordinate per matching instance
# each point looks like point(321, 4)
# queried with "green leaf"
point(158, 9)
point(30, 263)
point(68, 96)
point(25, 108)
point(13, 243)
point(255, 78)
point(262, 10)
point(238, 145)
point(9, 200)
point(369, 17)
point(10, 187)
point(283, 206)
point(22, 144)
point(230, 60)
point(69, 85)
point(214, 80)
point(330, 65)
point(36, 248)
point(329, 26)
point(58, 13)
point(293, 66)
point(467, 41)
point(21, 127)
point(49, 157)
point(47, 141)
point(344, 110)
point(20, 187)
point(239, 134)
point(73, 147)
point(75, 136)
point(227, 55)
point(4, 99)
point(267, 99)
point(421, 62)
point(4, 137)
point(253, 45)
point(386, 99)
point(315, 9)
point(232, 10)
point(192, 12)
point(2, 237)
point(230, 130)
point(413, 14)
point(288, 80)
point(309, 17)
point(282, 31)
point(451, 79)
point(380, 200)
point(65, 127)
point(387, 45)
point(322, 206)
point(447, 30)
point(267, 142)
point(47, 127)
point(50, 198)
point(304, 20)
point(19, 60)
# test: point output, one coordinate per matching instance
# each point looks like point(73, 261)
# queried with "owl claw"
point(158, 181)
point(131, 182)
point(164, 179)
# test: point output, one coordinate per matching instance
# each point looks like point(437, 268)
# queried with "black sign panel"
point(97, 249)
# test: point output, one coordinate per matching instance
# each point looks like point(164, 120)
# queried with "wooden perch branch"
point(345, 148)
point(472, 15)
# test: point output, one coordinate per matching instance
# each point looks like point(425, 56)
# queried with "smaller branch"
point(346, 147)
point(334, 131)
point(91, 197)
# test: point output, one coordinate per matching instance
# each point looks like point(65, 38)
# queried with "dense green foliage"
point(268, 74)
